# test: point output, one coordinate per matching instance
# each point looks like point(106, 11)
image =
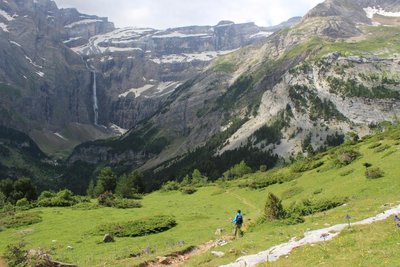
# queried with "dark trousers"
point(237, 232)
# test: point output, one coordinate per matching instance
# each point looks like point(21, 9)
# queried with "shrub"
point(64, 198)
point(170, 186)
point(139, 227)
point(19, 219)
point(124, 203)
point(263, 168)
point(303, 165)
point(308, 207)
point(106, 199)
point(188, 190)
point(374, 173)
point(346, 156)
point(23, 204)
point(292, 192)
point(14, 254)
point(237, 170)
point(273, 208)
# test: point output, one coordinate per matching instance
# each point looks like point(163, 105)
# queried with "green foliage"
point(309, 206)
point(107, 199)
point(19, 219)
point(263, 168)
point(106, 181)
point(14, 255)
point(305, 164)
point(128, 186)
point(374, 173)
point(273, 209)
point(237, 171)
point(124, 203)
point(352, 88)
point(345, 156)
point(2, 199)
point(90, 189)
point(291, 192)
point(269, 178)
point(140, 227)
point(170, 186)
point(23, 204)
point(64, 198)
point(241, 85)
point(335, 139)
point(188, 190)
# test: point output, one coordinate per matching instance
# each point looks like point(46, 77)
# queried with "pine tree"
point(273, 208)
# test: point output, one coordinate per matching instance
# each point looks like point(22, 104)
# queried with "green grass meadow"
point(211, 207)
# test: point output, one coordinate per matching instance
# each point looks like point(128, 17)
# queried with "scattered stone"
point(219, 231)
point(221, 242)
point(25, 232)
point(218, 254)
point(108, 238)
point(40, 255)
point(70, 247)
point(163, 260)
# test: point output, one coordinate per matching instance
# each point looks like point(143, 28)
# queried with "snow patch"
point(71, 39)
point(118, 130)
point(62, 137)
point(33, 63)
point(179, 58)
point(137, 91)
point(15, 43)
point(6, 15)
point(3, 27)
point(41, 74)
point(180, 35)
point(261, 34)
point(82, 22)
point(371, 11)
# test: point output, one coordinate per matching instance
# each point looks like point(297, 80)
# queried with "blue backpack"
point(239, 220)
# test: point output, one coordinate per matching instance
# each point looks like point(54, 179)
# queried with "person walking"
point(238, 221)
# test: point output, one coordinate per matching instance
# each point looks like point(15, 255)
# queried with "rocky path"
point(310, 237)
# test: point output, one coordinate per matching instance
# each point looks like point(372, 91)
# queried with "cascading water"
point(95, 103)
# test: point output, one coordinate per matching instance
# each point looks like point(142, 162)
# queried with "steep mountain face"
point(44, 85)
point(139, 68)
point(64, 75)
point(303, 89)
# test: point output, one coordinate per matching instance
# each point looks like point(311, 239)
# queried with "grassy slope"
point(198, 216)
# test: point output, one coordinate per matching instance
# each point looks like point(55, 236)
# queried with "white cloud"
point(173, 13)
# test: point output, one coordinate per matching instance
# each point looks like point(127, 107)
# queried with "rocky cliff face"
point(301, 90)
point(63, 72)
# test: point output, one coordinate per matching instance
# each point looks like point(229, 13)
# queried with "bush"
point(108, 199)
point(19, 219)
point(273, 208)
point(237, 171)
point(124, 203)
point(23, 204)
point(188, 190)
point(64, 198)
point(308, 207)
point(263, 168)
point(139, 227)
point(303, 165)
point(14, 254)
point(344, 157)
point(374, 173)
point(170, 186)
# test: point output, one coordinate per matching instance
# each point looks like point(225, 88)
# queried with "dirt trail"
point(310, 237)
point(2, 263)
point(179, 258)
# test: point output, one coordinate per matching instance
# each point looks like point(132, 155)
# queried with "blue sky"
point(163, 14)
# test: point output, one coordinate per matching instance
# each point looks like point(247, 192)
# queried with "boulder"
point(219, 231)
point(108, 238)
point(218, 254)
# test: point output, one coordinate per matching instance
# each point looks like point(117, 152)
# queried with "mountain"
point(304, 88)
point(68, 77)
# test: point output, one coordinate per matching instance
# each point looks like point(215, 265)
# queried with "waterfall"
point(95, 103)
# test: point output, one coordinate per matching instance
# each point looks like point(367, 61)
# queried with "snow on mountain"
point(6, 15)
point(371, 11)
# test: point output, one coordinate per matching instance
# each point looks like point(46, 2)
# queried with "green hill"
point(325, 177)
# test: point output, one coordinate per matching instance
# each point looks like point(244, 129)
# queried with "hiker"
point(238, 221)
